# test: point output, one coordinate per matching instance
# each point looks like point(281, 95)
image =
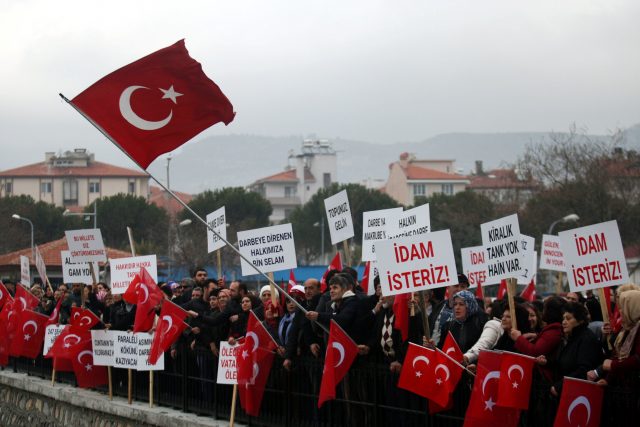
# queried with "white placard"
point(227, 373)
point(474, 265)
point(102, 342)
point(50, 335)
point(551, 257)
point(41, 266)
point(124, 269)
point(412, 264)
point(594, 256)
point(217, 221)
point(375, 226)
point(501, 240)
point(413, 222)
point(268, 248)
point(131, 351)
point(25, 271)
point(86, 245)
point(76, 272)
point(339, 217)
point(144, 348)
point(530, 263)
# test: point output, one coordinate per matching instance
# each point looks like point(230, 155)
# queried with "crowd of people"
point(565, 333)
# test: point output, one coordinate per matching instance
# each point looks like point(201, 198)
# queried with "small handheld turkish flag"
point(29, 337)
point(155, 104)
point(502, 290)
point(580, 404)
point(169, 329)
point(144, 292)
point(83, 318)
point(4, 294)
point(452, 349)
point(516, 376)
point(367, 281)
point(88, 375)
point(28, 300)
point(54, 318)
point(336, 264)
point(401, 314)
point(341, 352)
point(529, 293)
point(292, 280)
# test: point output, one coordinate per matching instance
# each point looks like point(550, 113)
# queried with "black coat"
point(581, 353)
point(345, 314)
point(466, 333)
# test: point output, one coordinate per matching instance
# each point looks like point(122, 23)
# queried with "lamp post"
point(33, 249)
point(321, 225)
point(183, 223)
point(67, 212)
point(569, 218)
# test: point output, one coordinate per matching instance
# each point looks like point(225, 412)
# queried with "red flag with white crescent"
point(170, 327)
point(516, 377)
point(145, 293)
point(580, 404)
point(88, 375)
point(29, 335)
point(341, 352)
point(336, 264)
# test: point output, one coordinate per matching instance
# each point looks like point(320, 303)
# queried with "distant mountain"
point(239, 160)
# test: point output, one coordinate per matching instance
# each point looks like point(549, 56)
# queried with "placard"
point(268, 248)
point(50, 335)
point(413, 222)
point(474, 265)
point(594, 256)
point(76, 272)
point(25, 271)
point(217, 221)
point(529, 259)
point(102, 342)
point(86, 245)
point(227, 373)
point(144, 348)
point(124, 269)
point(412, 264)
point(551, 257)
point(339, 217)
point(501, 240)
point(131, 351)
point(375, 226)
point(41, 266)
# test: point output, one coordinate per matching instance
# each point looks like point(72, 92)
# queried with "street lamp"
point(33, 249)
point(183, 223)
point(67, 212)
point(321, 225)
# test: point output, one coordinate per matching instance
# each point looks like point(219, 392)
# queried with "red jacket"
point(621, 369)
point(545, 343)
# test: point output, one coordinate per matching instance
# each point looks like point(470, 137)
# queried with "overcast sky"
point(378, 71)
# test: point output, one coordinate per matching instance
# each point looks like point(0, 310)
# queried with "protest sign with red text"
point(86, 245)
point(123, 270)
point(474, 265)
point(551, 257)
point(501, 240)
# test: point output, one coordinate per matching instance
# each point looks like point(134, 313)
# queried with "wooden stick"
point(150, 389)
point(110, 383)
point(413, 307)
point(233, 405)
point(511, 292)
point(603, 305)
point(272, 289)
point(131, 242)
point(347, 252)
point(219, 256)
point(425, 318)
point(559, 283)
point(53, 375)
point(130, 386)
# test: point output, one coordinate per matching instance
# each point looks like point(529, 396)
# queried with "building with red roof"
point(503, 186)
point(163, 200)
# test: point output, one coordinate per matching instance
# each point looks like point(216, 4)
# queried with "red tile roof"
point(50, 252)
point(287, 176)
point(417, 172)
point(94, 169)
point(632, 251)
point(159, 198)
point(501, 178)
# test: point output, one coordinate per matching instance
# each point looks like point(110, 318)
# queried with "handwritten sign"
point(124, 269)
point(50, 335)
point(227, 363)
point(529, 259)
point(594, 256)
point(418, 263)
point(474, 265)
point(551, 257)
point(268, 248)
point(41, 267)
point(102, 342)
point(217, 221)
point(76, 272)
point(25, 272)
point(131, 351)
point(375, 226)
point(501, 240)
point(86, 245)
point(144, 348)
point(413, 222)
point(339, 217)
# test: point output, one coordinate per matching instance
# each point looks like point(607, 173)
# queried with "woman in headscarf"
point(467, 322)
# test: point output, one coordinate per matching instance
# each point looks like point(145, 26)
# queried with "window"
point(289, 192)
point(326, 180)
point(70, 192)
point(447, 189)
point(94, 187)
point(419, 189)
point(132, 187)
point(45, 187)
point(8, 188)
point(287, 213)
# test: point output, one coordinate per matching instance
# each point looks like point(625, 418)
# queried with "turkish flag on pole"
point(336, 264)
point(64, 345)
point(169, 329)
point(292, 280)
point(54, 318)
point(4, 294)
point(367, 280)
point(27, 340)
point(482, 410)
point(145, 293)
point(516, 376)
point(155, 104)
point(28, 300)
point(452, 349)
point(502, 290)
point(401, 314)
point(341, 352)
point(6, 311)
point(479, 293)
point(88, 375)
point(83, 318)
point(529, 293)
point(580, 404)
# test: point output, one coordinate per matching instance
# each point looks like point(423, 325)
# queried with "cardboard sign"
point(375, 226)
point(144, 348)
point(412, 264)
point(551, 257)
point(131, 351)
point(86, 245)
point(40, 266)
point(501, 241)
point(124, 269)
point(413, 222)
point(594, 256)
point(268, 248)
point(339, 217)
point(529, 259)
point(227, 373)
point(217, 221)
point(73, 272)
point(102, 341)
point(25, 271)
point(50, 335)
point(474, 265)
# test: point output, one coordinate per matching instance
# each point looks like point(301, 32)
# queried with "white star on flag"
point(170, 94)
point(245, 354)
point(27, 337)
point(88, 367)
point(438, 381)
point(515, 384)
point(489, 404)
point(418, 374)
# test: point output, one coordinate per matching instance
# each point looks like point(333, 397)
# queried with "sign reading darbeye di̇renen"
point(474, 266)
point(594, 256)
point(124, 269)
point(501, 241)
point(375, 226)
point(551, 257)
point(339, 217)
point(412, 264)
point(86, 245)
point(217, 221)
point(413, 222)
point(268, 248)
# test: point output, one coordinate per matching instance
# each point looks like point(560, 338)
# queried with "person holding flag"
point(467, 322)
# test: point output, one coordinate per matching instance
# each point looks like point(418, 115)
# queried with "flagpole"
point(129, 371)
point(456, 362)
point(188, 208)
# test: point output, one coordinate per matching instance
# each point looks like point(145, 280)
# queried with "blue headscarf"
point(470, 302)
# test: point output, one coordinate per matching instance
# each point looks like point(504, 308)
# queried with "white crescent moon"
point(417, 358)
point(85, 317)
point(55, 312)
point(1, 294)
point(580, 400)
point(82, 353)
point(24, 303)
point(135, 120)
point(30, 322)
point(450, 350)
point(255, 339)
point(490, 375)
point(64, 340)
point(340, 349)
point(169, 321)
point(256, 371)
point(146, 292)
point(75, 315)
point(445, 368)
point(515, 368)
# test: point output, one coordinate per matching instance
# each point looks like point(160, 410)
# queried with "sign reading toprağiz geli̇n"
point(268, 248)
point(594, 256)
point(124, 269)
point(86, 245)
point(418, 263)
point(501, 241)
point(339, 217)
point(551, 257)
point(375, 227)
